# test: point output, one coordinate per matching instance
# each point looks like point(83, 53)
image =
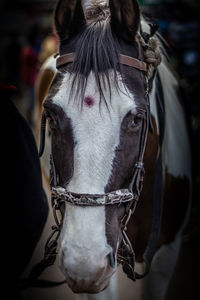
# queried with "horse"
point(113, 109)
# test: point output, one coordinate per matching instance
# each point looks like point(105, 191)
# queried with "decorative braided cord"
point(116, 197)
point(152, 54)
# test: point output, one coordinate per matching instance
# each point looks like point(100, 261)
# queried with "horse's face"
point(94, 146)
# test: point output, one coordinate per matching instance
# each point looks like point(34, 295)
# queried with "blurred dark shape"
point(186, 40)
point(13, 61)
point(26, 204)
point(29, 69)
point(29, 59)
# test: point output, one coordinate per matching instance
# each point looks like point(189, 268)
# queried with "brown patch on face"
point(114, 214)
point(62, 142)
point(139, 227)
point(126, 156)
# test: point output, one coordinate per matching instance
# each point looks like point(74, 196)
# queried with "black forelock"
point(97, 50)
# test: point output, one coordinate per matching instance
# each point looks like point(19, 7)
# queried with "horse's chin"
point(92, 287)
point(92, 290)
point(95, 285)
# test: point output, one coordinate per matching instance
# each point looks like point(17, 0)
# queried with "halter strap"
point(123, 59)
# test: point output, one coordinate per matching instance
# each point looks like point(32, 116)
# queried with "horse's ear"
point(68, 18)
point(125, 18)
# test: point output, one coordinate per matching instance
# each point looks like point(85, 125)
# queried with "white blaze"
point(96, 135)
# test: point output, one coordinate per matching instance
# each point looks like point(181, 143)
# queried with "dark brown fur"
point(139, 227)
point(63, 142)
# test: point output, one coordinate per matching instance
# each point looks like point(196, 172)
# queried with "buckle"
point(139, 165)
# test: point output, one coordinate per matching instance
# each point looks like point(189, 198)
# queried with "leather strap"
point(65, 59)
point(158, 185)
point(133, 62)
point(124, 59)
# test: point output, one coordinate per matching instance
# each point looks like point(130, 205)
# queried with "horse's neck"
point(175, 162)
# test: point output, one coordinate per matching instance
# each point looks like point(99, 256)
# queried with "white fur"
point(176, 154)
point(84, 242)
point(153, 105)
point(96, 134)
point(176, 151)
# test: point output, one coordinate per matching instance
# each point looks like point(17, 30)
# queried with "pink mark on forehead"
point(89, 101)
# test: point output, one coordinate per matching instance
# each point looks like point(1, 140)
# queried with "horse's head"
point(97, 110)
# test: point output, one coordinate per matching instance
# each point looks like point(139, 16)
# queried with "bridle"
point(128, 197)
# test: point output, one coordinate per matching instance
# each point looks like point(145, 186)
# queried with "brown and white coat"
point(94, 146)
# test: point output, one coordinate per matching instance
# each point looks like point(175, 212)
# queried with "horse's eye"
point(138, 118)
point(135, 121)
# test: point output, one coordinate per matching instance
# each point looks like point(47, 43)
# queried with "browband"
point(124, 60)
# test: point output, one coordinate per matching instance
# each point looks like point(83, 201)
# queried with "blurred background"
point(27, 40)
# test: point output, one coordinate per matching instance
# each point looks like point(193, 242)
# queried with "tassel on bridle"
point(150, 46)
